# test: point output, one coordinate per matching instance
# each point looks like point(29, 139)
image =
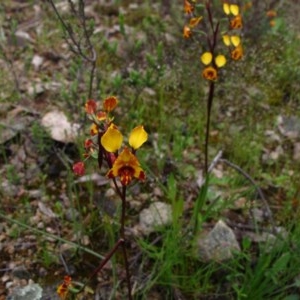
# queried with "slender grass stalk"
point(201, 198)
point(58, 238)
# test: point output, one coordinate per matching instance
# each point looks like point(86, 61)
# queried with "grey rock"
point(158, 214)
point(29, 292)
point(10, 127)
point(289, 126)
point(59, 127)
point(219, 244)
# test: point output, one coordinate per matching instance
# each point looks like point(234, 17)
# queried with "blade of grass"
point(58, 238)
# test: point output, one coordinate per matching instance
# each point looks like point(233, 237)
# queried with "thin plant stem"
point(92, 76)
point(69, 30)
point(120, 242)
point(122, 195)
point(75, 44)
point(209, 106)
point(122, 218)
point(123, 245)
point(122, 235)
point(117, 188)
point(105, 260)
point(212, 44)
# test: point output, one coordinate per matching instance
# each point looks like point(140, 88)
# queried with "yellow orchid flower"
point(127, 167)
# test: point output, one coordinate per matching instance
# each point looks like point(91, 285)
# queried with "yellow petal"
point(226, 40)
point(206, 58)
point(220, 61)
point(138, 137)
point(112, 139)
point(235, 40)
point(226, 8)
point(234, 9)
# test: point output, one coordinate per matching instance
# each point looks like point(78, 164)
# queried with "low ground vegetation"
point(54, 223)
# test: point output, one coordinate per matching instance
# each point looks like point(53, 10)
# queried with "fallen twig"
point(211, 166)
